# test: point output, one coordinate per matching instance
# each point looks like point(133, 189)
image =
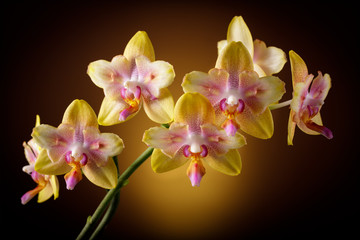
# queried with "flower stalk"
point(122, 181)
point(280, 105)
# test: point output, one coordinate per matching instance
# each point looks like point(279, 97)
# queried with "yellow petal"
point(154, 75)
point(138, 45)
point(44, 165)
point(160, 162)
point(45, 193)
point(260, 126)
point(110, 111)
point(270, 59)
point(37, 122)
point(105, 176)
point(229, 164)
point(79, 113)
point(291, 128)
point(211, 85)
point(55, 186)
point(235, 58)
point(160, 109)
point(221, 45)
point(194, 110)
point(299, 70)
point(110, 75)
point(111, 144)
point(239, 31)
point(169, 140)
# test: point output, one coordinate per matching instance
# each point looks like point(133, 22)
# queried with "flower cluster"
point(206, 125)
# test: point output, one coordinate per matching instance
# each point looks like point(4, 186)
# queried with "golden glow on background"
point(282, 191)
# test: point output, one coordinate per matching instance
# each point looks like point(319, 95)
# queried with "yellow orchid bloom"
point(47, 185)
point(267, 60)
point(77, 147)
point(194, 136)
point(237, 93)
point(307, 101)
point(131, 80)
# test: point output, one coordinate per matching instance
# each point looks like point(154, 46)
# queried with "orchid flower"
point(194, 136)
point(237, 93)
point(307, 101)
point(77, 147)
point(131, 80)
point(47, 185)
point(267, 60)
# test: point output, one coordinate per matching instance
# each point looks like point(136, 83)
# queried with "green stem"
point(280, 105)
point(107, 216)
point(122, 181)
point(110, 211)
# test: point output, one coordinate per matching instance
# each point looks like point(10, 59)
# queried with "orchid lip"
point(202, 151)
point(231, 106)
point(71, 160)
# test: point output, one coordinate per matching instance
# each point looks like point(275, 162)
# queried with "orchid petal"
point(110, 144)
point(291, 128)
point(211, 85)
point(270, 59)
point(161, 108)
point(55, 186)
point(239, 31)
point(55, 140)
point(37, 121)
point(260, 92)
point(160, 162)
point(221, 45)
point(235, 58)
point(169, 140)
point(44, 165)
point(105, 176)
point(154, 75)
point(194, 110)
point(320, 86)
point(107, 75)
point(45, 193)
point(110, 111)
point(138, 45)
point(260, 126)
point(219, 142)
point(298, 68)
point(229, 164)
point(101, 73)
point(80, 114)
point(29, 154)
point(102, 145)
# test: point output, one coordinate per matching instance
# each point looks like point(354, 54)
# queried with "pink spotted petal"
point(169, 140)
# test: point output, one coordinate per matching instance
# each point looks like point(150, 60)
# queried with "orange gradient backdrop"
point(302, 190)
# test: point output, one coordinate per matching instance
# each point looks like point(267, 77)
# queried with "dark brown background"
point(306, 190)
